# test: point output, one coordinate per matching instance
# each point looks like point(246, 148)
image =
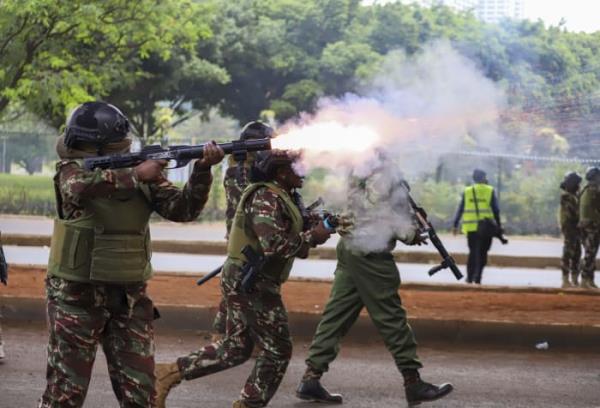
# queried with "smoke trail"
point(413, 111)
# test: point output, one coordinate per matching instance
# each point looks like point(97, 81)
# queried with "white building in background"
point(490, 11)
point(463, 5)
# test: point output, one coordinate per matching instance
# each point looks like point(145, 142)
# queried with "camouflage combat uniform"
point(234, 183)
point(590, 230)
point(259, 317)
point(569, 218)
point(85, 313)
point(3, 270)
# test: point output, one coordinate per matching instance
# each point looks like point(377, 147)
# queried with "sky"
point(580, 15)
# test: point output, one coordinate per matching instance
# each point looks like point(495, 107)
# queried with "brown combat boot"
point(240, 404)
point(167, 377)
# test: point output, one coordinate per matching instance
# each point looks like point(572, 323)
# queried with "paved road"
point(521, 246)
point(365, 375)
point(321, 269)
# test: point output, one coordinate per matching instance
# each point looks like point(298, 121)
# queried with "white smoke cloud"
point(403, 120)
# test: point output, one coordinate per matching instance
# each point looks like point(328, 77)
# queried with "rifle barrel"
point(181, 154)
point(209, 276)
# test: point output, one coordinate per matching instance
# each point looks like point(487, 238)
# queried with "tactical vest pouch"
point(70, 251)
point(120, 258)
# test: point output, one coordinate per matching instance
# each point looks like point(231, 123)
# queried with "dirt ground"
point(568, 307)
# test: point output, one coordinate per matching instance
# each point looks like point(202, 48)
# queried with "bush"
point(529, 199)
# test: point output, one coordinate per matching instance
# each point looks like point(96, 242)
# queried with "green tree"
point(178, 83)
point(55, 54)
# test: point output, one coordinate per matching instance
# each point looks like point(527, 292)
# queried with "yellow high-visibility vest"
point(484, 193)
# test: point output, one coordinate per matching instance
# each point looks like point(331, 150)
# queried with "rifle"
point(3, 267)
point(426, 227)
point(181, 155)
point(209, 276)
point(330, 220)
point(254, 263)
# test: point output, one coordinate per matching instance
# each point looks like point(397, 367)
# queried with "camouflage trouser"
point(257, 318)
point(591, 240)
point(81, 316)
point(571, 258)
point(219, 325)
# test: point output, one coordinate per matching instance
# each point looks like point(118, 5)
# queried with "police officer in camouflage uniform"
point(589, 222)
point(371, 280)
point(4, 280)
point(569, 218)
point(235, 181)
point(100, 258)
point(269, 221)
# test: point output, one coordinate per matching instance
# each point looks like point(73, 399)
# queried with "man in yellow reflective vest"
point(478, 202)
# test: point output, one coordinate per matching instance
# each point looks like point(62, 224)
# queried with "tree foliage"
point(166, 61)
point(55, 54)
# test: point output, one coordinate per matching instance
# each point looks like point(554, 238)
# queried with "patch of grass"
point(21, 194)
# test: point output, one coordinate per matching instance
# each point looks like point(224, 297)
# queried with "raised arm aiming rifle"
point(181, 155)
point(426, 227)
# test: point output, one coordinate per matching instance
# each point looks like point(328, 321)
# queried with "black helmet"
point(268, 162)
point(256, 130)
point(571, 182)
point(592, 173)
point(97, 123)
point(479, 176)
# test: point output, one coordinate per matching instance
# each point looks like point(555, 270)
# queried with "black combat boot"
point(312, 390)
point(418, 391)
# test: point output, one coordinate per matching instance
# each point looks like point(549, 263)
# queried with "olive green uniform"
point(363, 280)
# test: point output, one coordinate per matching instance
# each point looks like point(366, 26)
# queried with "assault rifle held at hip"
point(181, 155)
point(305, 211)
point(426, 227)
point(254, 263)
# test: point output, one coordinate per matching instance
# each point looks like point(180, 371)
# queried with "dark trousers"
point(478, 250)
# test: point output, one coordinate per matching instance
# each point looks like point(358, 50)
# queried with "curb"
point(500, 334)
point(220, 248)
point(435, 287)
